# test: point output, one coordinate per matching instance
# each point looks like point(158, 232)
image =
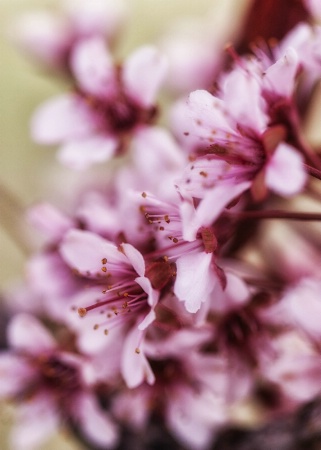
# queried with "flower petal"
point(135, 258)
point(37, 420)
point(280, 77)
point(134, 366)
point(93, 67)
point(94, 423)
point(49, 220)
point(195, 279)
point(60, 119)
point(26, 333)
point(85, 251)
point(209, 116)
point(212, 205)
point(79, 155)
point(285, 173)
point(143, 73)
point(14, 374)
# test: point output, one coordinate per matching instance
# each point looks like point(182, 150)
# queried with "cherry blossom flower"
point(116, 281)
point(191, 392)
point(50, 37)
point(110, 104)
point(241, 145)
point(294, 367)
point(52, 385)
point(194, 242)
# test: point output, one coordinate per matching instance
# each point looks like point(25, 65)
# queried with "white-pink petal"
point(135, 368)
point(81, 154)
point(280, 77)
point(43, 36)
point(135, 258)
point(152, 300)
point(95, 17)
point(193, 416)
point(303, 305)
point(93, 67)
point(143, 73)
point(209, 115)
point(52, 222)
point(37, 420)
point(211, 206)
point(315, 8)
point(285, 172)
point(62, 118)
point(242, 94)
point(15, 374)
point(84, 251)
point(96, 425)
point(195, 279)
point(27, 334)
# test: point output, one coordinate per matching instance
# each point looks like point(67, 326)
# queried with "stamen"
point(82, 312)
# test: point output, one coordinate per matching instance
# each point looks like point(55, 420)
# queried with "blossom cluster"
point(157, 296)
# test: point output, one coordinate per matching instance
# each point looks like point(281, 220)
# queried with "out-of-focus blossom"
point(110, 104)
point(49, 36)
point(52, 385)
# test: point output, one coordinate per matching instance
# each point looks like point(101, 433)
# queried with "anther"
point(82, 312)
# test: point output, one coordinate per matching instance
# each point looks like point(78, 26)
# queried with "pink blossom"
point(302, 306)
point(241, 145)
point(194, 242)
point(315, 8)
point(191, 392)
point(116, 278)
point(110, 104)
point(49, 38)
point(295, 367)
point(51, 385)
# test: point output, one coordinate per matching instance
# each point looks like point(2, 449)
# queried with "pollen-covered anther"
point(209, 239)
point(106, 332)
point(203, 173)
point(137, 350)
point(82, 312)
point(166, 218)
point(104, 269)
point(144, 195)
point(104, 261)
point(96, 326)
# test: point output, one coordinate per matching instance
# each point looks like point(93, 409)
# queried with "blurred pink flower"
point(110, 105)
point(51, 385)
